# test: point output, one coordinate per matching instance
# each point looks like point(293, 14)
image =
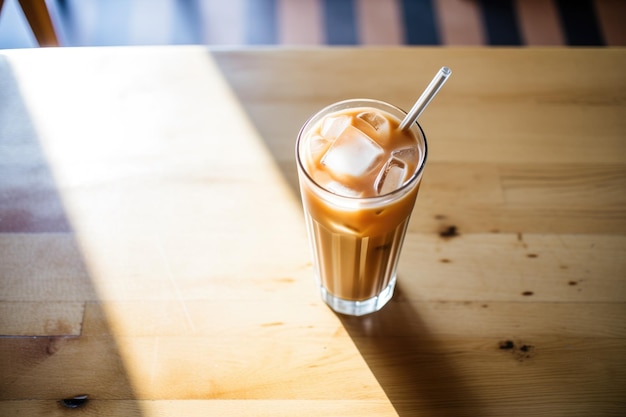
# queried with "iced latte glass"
point(359, 177)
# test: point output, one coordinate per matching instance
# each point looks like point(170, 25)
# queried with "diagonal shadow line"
point(413, 367)
point(410, 364)
point(45, 356)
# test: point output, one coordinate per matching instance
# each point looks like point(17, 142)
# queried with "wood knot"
point(520, 351)
point(506, 345)
point(449, 232)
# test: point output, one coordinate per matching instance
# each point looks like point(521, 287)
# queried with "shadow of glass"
point(49, 360)
point(414, 368)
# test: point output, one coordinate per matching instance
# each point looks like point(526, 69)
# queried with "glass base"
point(359, 308)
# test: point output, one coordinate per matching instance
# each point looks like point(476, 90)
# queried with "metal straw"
point(426, 97)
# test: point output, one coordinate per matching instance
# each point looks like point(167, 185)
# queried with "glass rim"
point(351, 103)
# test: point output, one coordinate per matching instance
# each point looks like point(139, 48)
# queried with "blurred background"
point(323, 22)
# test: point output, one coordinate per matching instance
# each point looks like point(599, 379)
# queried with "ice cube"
point(409, 156)
point(391, 177)
point(332, 127)
point(341, 189)
point(353, 153)
point(317, 146)
point(324, 180)
point(375, 125)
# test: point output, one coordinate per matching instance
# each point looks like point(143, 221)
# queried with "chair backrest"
point(36, 12)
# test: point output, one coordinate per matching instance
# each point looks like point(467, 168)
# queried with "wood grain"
point(181, 282)
point(41, 319)
point(199, 408)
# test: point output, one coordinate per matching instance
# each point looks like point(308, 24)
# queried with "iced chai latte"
point(359, 178)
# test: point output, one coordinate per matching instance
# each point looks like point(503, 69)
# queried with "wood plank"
point(40, 318)
point(422, 373)
point(43, 267)
point(529, 198)
point(186, 367)
point(168, 318)
point(510, 267)
point(445, 318)
point(477, 377)
point(564, 110)
point(201, 408)
point(153, 346)
point(52, 268)
point(62, 367)
point(480, 197)
point(516, 321)
point(582, 185)
point(471, 265)
point(452, 358)
point(535, 115)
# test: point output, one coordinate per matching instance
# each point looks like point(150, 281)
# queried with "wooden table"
point(153, 254)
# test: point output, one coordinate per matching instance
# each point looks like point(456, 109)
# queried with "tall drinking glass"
point(359, 177)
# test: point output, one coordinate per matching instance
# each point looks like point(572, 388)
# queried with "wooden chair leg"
point(38, 17)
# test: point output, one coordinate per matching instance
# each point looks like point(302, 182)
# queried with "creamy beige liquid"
point(356, 249)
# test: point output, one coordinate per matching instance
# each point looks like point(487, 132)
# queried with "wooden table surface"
point(153, 254)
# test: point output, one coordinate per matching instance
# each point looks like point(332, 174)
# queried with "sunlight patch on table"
point(159, 213)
